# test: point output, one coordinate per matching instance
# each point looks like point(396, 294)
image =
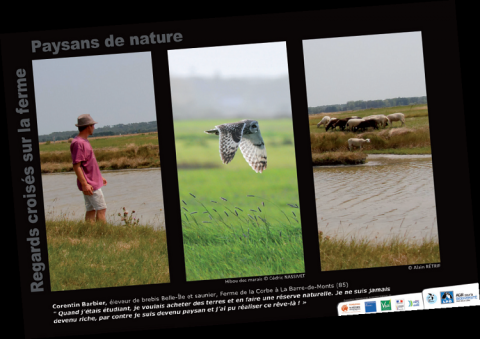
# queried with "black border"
point(404, 318)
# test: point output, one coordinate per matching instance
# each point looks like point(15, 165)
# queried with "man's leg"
point(100, 206)
point(101, 215)
point(96, 207)
point(90, 210)
point(90, 216)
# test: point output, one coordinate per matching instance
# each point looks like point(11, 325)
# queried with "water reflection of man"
point(89, 178)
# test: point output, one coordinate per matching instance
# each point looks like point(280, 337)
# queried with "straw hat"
point(85, 120)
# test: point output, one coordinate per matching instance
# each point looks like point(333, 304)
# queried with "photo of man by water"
point(110, 132)
point(370, 143)
point(89, 178)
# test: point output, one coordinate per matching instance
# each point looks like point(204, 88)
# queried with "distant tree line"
point(136, 127)
point(360, 104)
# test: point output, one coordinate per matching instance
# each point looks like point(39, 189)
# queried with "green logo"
point(386, 305)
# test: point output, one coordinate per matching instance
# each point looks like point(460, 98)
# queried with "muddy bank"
point(338, 158)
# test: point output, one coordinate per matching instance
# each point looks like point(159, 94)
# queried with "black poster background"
point(15, 21)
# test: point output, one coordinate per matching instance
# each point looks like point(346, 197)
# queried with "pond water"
point(139, 190)
point(390, 195)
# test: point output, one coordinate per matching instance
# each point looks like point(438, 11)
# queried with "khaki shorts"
point(96, 201)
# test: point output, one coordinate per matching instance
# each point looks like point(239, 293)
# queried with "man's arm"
point(86, 188)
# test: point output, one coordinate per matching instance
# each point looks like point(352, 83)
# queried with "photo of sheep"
point(102, 185)
point(370, 143)
point(236, 161)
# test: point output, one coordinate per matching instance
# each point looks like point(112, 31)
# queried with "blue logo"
point(446, 297)
point(431, 298)
point(413, 303)
point(370, 306)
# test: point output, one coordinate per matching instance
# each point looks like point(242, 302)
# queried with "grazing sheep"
point(380, 119)
point(340, 123)
point(355, 117)
point(70, 140)
point(356, 142)
point(396, 117)
point(324, 121)
point(366, 124)
point(330, 124)
point(352, 123)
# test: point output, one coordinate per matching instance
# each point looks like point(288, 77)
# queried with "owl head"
point(251, 126)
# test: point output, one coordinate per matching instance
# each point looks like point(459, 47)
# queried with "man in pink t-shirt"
point(89, 178)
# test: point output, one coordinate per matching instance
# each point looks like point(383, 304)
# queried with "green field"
point(229, 243)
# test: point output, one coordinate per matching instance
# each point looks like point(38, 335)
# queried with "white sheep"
point(324, 121)
point(396, 117)
point(352, 123)
point(356, 142)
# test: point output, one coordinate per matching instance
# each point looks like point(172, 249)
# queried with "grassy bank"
point(83, 255)
point(342, 254)
point(231, 240)
point(108, 158)
point(338, 158)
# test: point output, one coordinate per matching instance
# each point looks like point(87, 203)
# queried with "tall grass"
point(84, 255)
point(224, 240)
point(343, 254)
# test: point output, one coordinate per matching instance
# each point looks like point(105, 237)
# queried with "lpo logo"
point(431, 298)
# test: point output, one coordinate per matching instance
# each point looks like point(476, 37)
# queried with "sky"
point(234, 81)
point(113, 89)
point(369, 67)
point(240, 61)
point(118, 88)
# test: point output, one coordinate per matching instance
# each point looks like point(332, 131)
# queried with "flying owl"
point(245, 133)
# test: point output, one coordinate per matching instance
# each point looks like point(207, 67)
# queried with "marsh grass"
point(130, 156)
point(336, 158)
point(225, 240)
point(337, 253)
point(84, 255)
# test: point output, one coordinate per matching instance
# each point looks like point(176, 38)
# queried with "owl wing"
point(230, 136)
point(254, 152)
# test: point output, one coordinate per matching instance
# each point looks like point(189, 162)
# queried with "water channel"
point(389, 195)
point(136, 190)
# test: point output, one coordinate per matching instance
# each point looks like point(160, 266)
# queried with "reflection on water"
point(389, 195)
point(138, 190)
